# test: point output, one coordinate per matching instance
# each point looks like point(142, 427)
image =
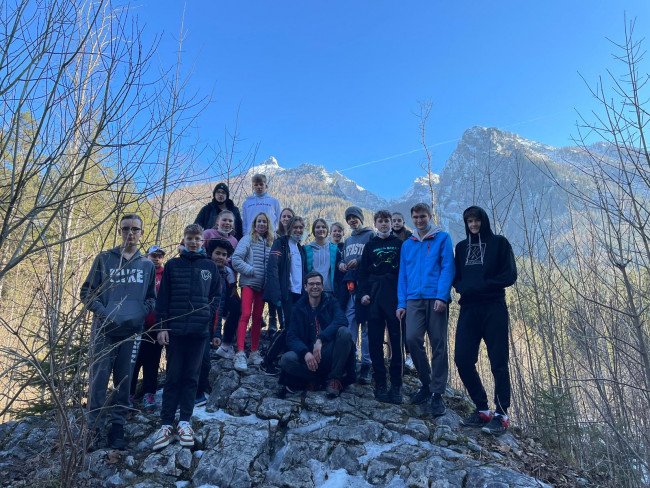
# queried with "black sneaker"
point(116, 437)
point(365, 375)
point(381, 394)
point(477, 419)
point(438, 407)
point(95, 440)
point(421, 396)
point(395, 394)
point(497, 426)
point(269, 369)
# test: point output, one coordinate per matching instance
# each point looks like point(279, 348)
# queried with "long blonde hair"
point(269, 231)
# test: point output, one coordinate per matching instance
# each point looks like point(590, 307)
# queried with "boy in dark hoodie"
point(120, 290)
point(377, 277)
point(207, 216)
point(187, 303)
point(485, 266)
point(348, 296)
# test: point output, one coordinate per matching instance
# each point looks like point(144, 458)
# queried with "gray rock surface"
point(248, 436)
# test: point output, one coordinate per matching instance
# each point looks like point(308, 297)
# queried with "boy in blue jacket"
point(187, 302)
point(426, 273)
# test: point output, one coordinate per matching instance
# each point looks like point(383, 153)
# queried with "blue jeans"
point(353, 325)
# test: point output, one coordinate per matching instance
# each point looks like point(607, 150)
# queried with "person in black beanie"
point(207, 217)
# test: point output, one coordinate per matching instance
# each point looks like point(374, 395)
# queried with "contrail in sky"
point(397, 155)
point(387, 158)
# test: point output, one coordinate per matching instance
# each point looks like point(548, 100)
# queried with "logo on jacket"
point(205, 274)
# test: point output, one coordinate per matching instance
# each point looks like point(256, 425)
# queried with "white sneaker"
point(163, 437)
point(185, 435)
point(240, 361)
point(226, 352)
point(409, 362)
point(255, 358)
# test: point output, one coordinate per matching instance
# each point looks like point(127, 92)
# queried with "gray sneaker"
point(240, 362)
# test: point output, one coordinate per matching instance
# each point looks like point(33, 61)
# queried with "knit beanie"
point(354, 212)
point(221, 186)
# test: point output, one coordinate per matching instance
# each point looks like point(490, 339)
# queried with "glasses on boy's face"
point(314, 285)
point(134, 230)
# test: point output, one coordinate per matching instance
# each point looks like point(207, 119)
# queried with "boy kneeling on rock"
point(320, 344)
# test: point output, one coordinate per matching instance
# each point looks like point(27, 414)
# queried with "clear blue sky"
point(336, 83)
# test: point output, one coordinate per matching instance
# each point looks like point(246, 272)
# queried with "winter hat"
point(354, 212)
point(221, 186)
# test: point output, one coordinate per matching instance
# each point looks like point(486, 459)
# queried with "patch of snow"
point(201, 414)
point(338, 478)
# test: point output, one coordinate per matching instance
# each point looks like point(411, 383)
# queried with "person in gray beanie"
point(349, 298)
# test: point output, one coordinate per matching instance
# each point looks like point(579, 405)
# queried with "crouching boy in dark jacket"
point(319, 341)
point(185, 309)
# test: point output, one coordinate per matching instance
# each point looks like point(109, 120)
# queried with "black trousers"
point(279, 343)
point(204, 385)
point(334, 360)
point(487, 322)
point(149, 361)
point(232, 312)
point(376, 328)
point(184, 356)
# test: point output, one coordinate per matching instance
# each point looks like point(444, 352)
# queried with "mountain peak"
point(269, 166)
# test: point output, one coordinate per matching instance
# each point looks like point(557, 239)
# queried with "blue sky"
point(336, 83)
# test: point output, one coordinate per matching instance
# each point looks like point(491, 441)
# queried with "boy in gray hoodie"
point(120, 290)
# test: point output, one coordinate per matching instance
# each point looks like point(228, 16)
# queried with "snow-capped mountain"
point(514, 179)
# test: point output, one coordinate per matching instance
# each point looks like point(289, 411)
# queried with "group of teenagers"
point(387, 282)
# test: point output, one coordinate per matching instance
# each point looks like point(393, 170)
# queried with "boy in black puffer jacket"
point(185, 309)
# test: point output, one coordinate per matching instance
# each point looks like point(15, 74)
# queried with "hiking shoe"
point(269, 369)
point(200, 400)
point(148, 402)
point(365, 375)
point(163, 437)
point(476, 419)
point(226, 352)
point(408, 363)
point(95, 440)
point(497, 426)
point(438, 407)
point(255, 358)
point(185, 434)
point(334, 388)
point(421, 396)
point(381, 394)
point(395, 394)
point(116, 438)
point(240, 361)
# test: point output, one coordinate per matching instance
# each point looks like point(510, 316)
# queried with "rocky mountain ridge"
point(511, 177)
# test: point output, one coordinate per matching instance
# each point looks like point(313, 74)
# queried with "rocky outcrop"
point(247, 435)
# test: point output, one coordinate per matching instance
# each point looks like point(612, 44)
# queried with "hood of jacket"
point(430, 233)
point(486, 230)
